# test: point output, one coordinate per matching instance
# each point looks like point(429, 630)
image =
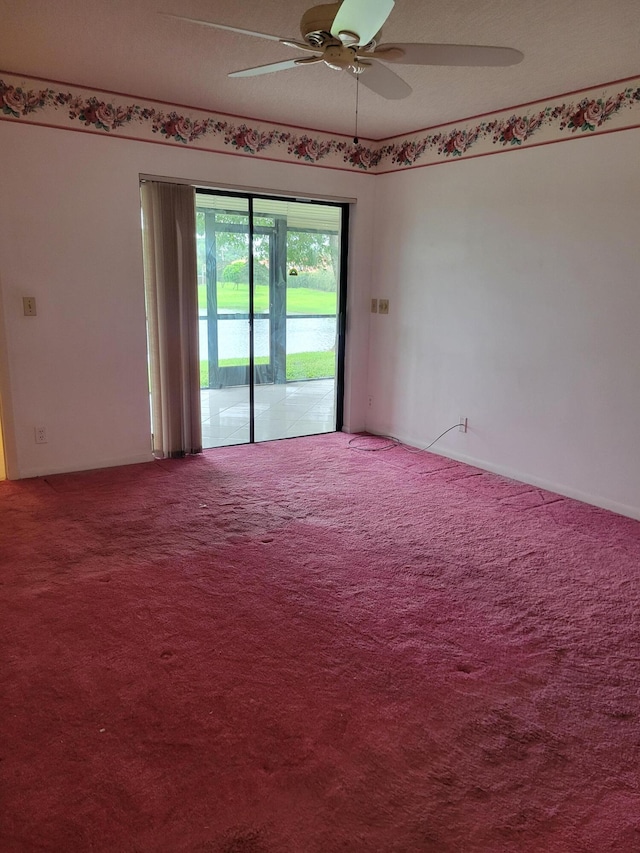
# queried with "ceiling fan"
point(345, 36)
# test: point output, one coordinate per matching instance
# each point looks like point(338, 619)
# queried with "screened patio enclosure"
point(271, 311)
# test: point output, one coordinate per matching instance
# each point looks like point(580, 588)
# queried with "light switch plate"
point(383, 306)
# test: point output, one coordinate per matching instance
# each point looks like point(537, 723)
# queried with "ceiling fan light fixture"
point(348, 38)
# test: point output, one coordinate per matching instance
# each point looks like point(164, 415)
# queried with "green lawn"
point(300, 365)
point(300, 300)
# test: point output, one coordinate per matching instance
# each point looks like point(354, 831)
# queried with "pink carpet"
point(295, 647)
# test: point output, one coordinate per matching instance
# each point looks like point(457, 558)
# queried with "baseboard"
point(86, 466)
point(523, 477)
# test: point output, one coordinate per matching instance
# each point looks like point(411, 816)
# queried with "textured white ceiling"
point(127, 46)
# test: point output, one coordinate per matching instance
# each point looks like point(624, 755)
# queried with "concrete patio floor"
point(281, 411)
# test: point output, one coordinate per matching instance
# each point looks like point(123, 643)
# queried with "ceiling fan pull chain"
point(355, 138)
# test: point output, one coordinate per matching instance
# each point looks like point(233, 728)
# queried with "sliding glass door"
point(271, 316)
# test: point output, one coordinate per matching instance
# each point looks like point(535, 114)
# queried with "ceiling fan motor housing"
point(316, 22)
point(339, 57)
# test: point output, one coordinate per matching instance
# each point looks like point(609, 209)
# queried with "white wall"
point(513, 281)
point(514, 287)
point(70, 236)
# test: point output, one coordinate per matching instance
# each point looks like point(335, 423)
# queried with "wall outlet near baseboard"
point(464, 423)
point(40, 434)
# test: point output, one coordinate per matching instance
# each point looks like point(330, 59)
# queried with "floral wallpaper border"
point(615, 106)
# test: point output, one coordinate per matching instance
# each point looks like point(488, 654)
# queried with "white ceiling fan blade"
point(384, 82)
point(225, 27)
point(274, 66)
point(364, 18)
point(446, 54)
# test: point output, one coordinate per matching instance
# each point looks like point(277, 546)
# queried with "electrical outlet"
point(374, 306)
point(383, 306)
point(41, 434)
point(370, 401)
point(29, 306)
point(464, 423)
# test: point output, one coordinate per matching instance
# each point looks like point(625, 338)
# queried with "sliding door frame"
point(341, 306)
point(342, 315)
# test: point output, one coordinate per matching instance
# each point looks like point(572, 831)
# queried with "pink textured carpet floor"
point(296, 647)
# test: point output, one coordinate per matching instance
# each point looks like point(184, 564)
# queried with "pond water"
point(313, 334)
